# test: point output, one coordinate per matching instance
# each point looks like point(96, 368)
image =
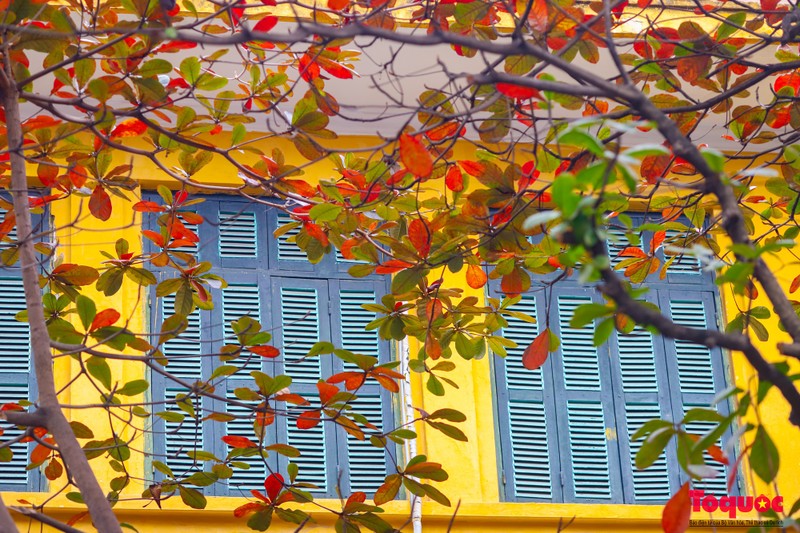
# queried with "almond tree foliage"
point(574, 114)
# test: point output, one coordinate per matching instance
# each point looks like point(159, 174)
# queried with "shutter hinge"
point(505, 480)
point(562, 479)
point(330, 308)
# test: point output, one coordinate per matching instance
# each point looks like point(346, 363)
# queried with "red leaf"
point(448, 129)
point(654, 166)
point(334, 69)
point(415, 157)
point(515, 282)
point(338, 5)
point(174, 46)
point(795, 284)
point(155, 237)
point(643, 3)
point(391, 266)
point(473, 168)
point(420, 236)
point(316, 232)
point(264, 351)
point(308, 420)
point(476, 276)
point(454, 180)
point(326, 391)
point(132, 127)
point(39, 454)
point(535, 355)
point(266, 23)
point(356, 497)
point(273, 485)
point(518, 92)
point(658, 239)
point(104, 318)
point(308, 68)
point(677, 511)
point(100, 203)
point(77, 175)
point(238, 442)
point(246, 509)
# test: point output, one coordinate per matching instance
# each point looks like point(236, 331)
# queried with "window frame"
point(269, 273)
point(612, 394)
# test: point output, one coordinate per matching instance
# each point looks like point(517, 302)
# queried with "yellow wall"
point(472, 465)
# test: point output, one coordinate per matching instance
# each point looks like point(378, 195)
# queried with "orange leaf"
point(632, 251)
point(415, 157)
point(448, 129)
point(39, 454)
point(146, 206)
point(454, 180)
point(308, 420)
point(535, 355)
point(157, 238)
point(433, 309)
point(432, 347)
point(658, 239)
point(238, 442)
point(132, 127)
point(476, 276)
point(538, 16)
point(326, 391)
point(100, 203)
point(264, 351)
point(677, 511)
point(104, 318)
point(420, 236)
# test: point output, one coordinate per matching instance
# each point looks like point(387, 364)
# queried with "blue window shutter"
point(584, 396)
point(364, 466)
point(527, 443)
point(300, 325)
point(17, 380)
point(303, 306)
point(653, 483)
point(184, 352)
point(367, 464)
point(579, 356)
point(682, 264)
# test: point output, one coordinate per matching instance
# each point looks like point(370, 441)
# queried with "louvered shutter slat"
point(13, 475)
point(238, 235)
point(523, 333)
point(16, 344)
point(180, 438)
point(239, 301)
point(354, 318)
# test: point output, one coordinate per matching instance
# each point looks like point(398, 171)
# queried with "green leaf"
point(86, 310)
point(192, 497)
point(764, 457)
point(565, 195)
point(132, 388)
point(98, 368)
point(582, 139)
point(325, 212)
point(653, 447)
